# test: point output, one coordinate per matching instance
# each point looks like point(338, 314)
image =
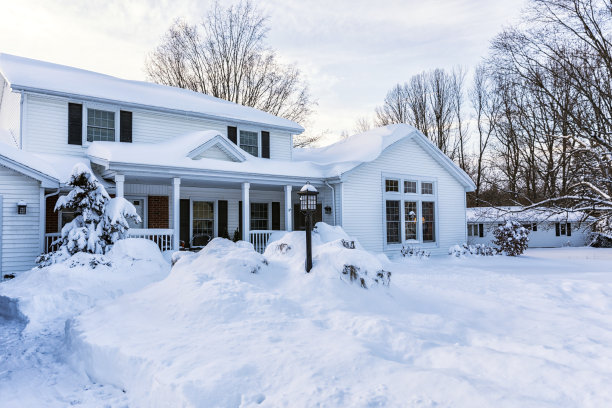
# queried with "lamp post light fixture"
point(308, 205)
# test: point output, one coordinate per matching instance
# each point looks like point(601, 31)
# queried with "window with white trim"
point(100, 125)
point(474, 230)
point(259, 216)
point(410, 212)
point(203, 219)
point(249, 142)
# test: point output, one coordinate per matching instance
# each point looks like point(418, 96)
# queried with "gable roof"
point(218, 141)
point(50, 169)
point(24, 74)
point(516, 213)
point(347, 154)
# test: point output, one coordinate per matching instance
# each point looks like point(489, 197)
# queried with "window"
point(248, 142)
point(203, 222)
point(393, 222)
point(65, 217)
point(429, 233)
point(410, 187)
point(563, 229)
point(426, 188)
point(475, 230)
point(392, 186)
point(259, 216)
point(100, 125)
point(410, 215)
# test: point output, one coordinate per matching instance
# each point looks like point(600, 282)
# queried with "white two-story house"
point(198, 167)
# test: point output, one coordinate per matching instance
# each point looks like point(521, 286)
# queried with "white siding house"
point(547, 228)
point(197, 167)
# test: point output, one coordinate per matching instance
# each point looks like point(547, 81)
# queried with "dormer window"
point(248, 142)
point(100, 125)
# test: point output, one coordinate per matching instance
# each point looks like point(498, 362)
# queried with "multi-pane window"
point(410, 186)
point(248, 142)
point(259, 216)
point(475, 230)
point(429, 216)
point(203, 219)
point(410, 219)
point(393, 222)
point(426, 188)
point(392, 186)
point(100, 125)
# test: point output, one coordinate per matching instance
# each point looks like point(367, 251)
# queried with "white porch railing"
point(161, 236)
point(49, 238)
point(260, 238)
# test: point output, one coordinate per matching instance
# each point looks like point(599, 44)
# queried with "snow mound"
point(47, 297)
point(334, 254)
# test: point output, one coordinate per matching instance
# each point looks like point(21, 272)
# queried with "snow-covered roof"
point(175, 153)
point(49, 168)
point(39, 76)
point(365, 147)
point(516, 213)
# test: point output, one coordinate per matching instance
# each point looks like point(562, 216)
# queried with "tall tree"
point(226, 56)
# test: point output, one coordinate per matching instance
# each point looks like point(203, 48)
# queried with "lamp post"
point(308, 205)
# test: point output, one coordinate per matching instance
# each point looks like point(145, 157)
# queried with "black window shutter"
point(125, 124)
point(318, 215)
point(240, 218)
point(276, 216)
point(569, 229)
point(232, 134)
point(557, 232)
point(535, 227)
point(265, 145)
point(481, 230)
point(222, 209)
point(75, 124)
point(184, 221)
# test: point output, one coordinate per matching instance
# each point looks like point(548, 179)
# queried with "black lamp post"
point(308, 205)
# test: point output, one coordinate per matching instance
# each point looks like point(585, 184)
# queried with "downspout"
point(333, 199)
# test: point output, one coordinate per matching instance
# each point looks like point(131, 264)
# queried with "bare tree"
point(462, 136)
point(362, 124)
point(395, 107)
point(226, 56)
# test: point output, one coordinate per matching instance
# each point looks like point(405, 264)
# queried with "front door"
point(139, 205)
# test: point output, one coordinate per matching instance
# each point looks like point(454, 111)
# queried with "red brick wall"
point(51, 216)
point(157, 212)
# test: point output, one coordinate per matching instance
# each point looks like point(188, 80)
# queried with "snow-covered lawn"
point(481, 331)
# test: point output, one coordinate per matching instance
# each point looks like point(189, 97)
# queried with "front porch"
point(186, 213)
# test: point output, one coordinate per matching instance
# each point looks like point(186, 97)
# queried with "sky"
point(350, 52)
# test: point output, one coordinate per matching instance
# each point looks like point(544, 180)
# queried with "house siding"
point(47, 128)
point(20, 238)
point(362, 200)
point(10, 115)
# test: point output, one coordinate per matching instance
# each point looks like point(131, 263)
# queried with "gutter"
point(191, 114)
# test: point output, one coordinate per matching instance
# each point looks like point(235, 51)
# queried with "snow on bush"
point(99, 220)
point(477, 250)
point(334, 254)
point(511, 238)
point(413, 252)
point(47, 296)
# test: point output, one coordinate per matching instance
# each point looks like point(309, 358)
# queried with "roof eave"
point(25, 88)
point(46, 181)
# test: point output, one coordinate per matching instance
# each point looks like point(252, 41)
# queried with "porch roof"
point(175, 157)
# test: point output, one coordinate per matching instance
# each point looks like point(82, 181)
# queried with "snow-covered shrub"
point(412, 252)
point(99, 220)
point(601, 240)
point(511, 238)
point(477, 250)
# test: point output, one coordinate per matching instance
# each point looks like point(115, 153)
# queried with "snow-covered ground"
point(463, 332)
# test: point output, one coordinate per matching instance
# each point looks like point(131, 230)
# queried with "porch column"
point(288, 210)
point(176, 205)
point(119, 180)
point(246, 212)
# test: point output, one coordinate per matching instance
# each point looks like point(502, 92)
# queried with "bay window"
point(410, 210)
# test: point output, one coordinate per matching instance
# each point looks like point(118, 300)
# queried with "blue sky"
point(351, 52)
